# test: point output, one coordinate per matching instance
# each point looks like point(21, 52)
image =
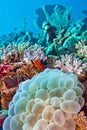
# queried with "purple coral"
point(34, 52)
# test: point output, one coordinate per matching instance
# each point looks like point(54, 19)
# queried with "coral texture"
point(55, 14)
point(50, 100)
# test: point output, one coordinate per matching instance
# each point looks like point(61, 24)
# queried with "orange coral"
point(7, 95)
point(81, 121)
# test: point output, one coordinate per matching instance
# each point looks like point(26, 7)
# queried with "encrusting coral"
point(46, 102)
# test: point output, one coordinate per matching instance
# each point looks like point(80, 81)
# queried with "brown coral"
point(7, 95)
point(81, 121)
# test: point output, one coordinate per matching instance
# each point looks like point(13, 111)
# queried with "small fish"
point(38, 64)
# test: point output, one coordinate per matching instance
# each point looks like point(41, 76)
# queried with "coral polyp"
point(47, 106)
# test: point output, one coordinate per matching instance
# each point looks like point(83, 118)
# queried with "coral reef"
point(7, 95)
point(57, 15)
point(34, 52)
point(59, 101)
point(68, 63)
point(81, 121)
point(82, 49)
point(62, 99)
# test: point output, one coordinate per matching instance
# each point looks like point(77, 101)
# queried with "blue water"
point(13, 11)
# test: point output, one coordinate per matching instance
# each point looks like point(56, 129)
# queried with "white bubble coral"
point(70, 125)
point(50, 100)
point(15, 123)
point(40, 125)
point(20, 106)
point(6, 124)
point(53, 126)
point(37, 108)
point(41, 93)
point(70, 106)
point(55, 101)
point(69, 95)
point(58, 117)
point(47, 113)
point(31, 120)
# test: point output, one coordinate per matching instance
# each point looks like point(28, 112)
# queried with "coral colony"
point(46, 102)
point(43, 77)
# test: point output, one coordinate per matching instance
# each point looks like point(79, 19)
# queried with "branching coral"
point(26, 71)
point(14, 53)
point(81, 49)
point(68, 64)
point(34, 52)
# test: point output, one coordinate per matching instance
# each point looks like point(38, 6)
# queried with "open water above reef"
point(12, 12)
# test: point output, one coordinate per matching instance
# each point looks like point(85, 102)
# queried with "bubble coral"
point(45, 103)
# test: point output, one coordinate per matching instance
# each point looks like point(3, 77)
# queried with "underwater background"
point(13, 11)
point(43, 65)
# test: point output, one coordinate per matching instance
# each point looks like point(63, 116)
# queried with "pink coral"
point(81, 49)
point(68, 64)
point(34, 53)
